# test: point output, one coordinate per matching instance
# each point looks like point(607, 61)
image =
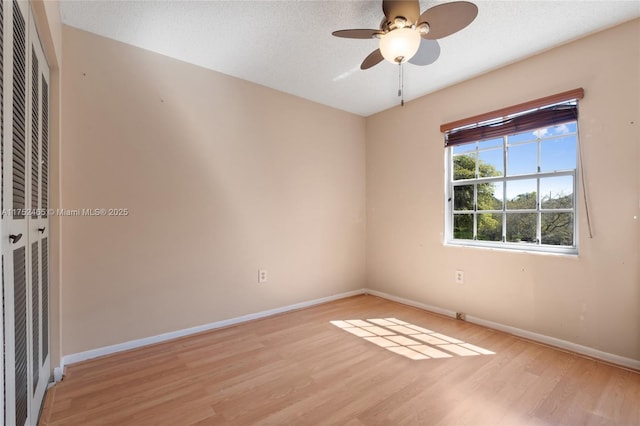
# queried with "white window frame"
point(526, 247)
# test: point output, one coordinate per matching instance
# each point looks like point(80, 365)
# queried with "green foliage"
point(463, 226)
point(521, 227)
point(489, 226)
point(560, 202)
point(527, 200)
point(464, 167)
point(557, 229)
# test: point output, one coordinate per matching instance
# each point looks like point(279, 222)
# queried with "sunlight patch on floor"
point(409, 340)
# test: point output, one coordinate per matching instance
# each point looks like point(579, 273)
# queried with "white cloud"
point(562, 129)
point(541, 133)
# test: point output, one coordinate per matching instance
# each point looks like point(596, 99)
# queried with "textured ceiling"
point(288, 46)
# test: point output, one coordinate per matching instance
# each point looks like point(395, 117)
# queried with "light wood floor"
point(300, 369)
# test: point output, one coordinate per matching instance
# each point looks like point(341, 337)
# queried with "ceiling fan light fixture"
point(423, 28)
point(399, 45)
point(400, 22)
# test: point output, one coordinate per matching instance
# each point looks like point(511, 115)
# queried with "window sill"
point(515, 248)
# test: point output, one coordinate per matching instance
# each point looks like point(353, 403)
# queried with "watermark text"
point(65, 212)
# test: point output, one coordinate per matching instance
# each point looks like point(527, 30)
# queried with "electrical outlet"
point(459, 276)
point(263, 276)
point(461, 316)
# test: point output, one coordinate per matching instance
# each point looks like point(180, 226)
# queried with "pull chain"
point(401, 83)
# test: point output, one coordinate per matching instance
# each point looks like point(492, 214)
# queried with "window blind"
point(543, 112)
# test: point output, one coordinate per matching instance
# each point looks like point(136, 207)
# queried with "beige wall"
point(221, 177)
point(592, 299)
point(48, 22)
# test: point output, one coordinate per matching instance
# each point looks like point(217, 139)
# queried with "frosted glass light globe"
point(399, 45)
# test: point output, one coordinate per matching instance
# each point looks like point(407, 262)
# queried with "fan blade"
point(446, 19)
point(365, 34)
point(427, 53)
point(409, 9)
point(374, 58)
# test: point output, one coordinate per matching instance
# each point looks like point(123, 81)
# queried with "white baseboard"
point(108, 350)
point(57, 373)
point(430, 308)
point(551, 341)
point(536, 337)
point(559, 343)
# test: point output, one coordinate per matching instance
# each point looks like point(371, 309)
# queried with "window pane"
point(490, 227)
point(556, 192)
point(490, 196)
point(558, 154)
point(521, 227)
point(463, 226)
point(523, 159)
point(557, 229)
point(491, 143)
point(491, 163)
point(466, 147)
point(521, 194)
point(464, 166)
point(564, 129)
point(515, 191)
point(463, 197)
point(521, 137)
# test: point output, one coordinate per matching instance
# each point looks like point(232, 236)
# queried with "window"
point(511, 181)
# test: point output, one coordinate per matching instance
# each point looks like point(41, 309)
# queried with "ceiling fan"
point(406, 35)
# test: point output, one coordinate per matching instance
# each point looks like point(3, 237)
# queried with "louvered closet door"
point(14, 223)
point(25, 234)
point(38, 222)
